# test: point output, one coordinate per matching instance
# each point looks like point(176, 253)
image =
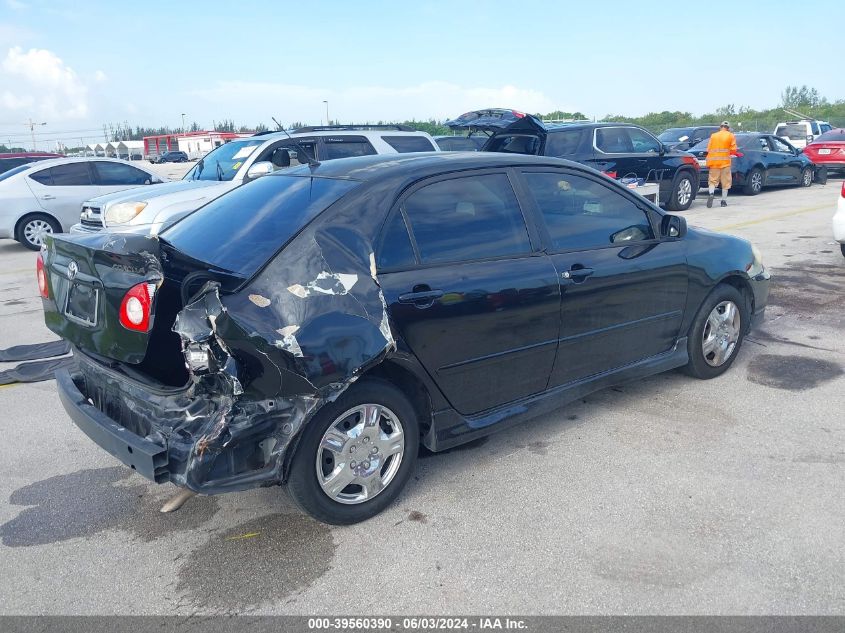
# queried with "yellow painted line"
point(14, 384)
point(776, 216)
point(241, 536)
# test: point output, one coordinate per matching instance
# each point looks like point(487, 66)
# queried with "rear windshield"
point(834, 135)
point(792, 131)
point(241, 230)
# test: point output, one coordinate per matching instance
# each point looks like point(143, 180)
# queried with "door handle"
point(421, 299)
point(576, 275)
point(47, 196)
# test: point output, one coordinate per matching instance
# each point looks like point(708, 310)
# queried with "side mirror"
point(673, 227)
point(259, 169)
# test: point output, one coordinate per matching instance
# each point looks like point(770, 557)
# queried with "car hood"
point(148, 192)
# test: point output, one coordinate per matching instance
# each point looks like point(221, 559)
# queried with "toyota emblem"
point(72, 269)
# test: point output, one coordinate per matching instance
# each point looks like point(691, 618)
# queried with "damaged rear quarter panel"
point(295, 337)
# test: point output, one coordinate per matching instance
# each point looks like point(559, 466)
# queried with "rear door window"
point(346, 147)
point(242, 230)
point(70, 175)
point(405, 144)
point(792, 131)
point(613, 140)
point(467, 218)
point(109, 174)
point(581, 214)
point(395, 250)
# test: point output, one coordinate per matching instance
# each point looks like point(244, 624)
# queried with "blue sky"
point(77, 65)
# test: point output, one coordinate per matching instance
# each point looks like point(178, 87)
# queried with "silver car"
point(44, 197)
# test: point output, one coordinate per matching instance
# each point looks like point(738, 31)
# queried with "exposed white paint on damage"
point(326, 284)
point(260, 301)
point(288, 341)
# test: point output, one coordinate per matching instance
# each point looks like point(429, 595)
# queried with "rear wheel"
point(806, 177)
point(32, 228)
point(682, 193)
point(717, 332)
point(754, 182)
point(356, 454)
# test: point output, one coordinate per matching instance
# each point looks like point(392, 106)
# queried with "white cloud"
point(100, 76)
point(432, 99)
point(40, 83)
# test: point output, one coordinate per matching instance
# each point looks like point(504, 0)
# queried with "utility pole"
point(183, 123)
point(328, 120)
point(32, 125)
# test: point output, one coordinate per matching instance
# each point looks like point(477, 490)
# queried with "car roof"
point(275, 136)
point(82, 159)
point(418, 164)
point(561, 127)
point(30, 155)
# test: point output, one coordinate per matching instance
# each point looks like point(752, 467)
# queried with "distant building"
point(194, 144)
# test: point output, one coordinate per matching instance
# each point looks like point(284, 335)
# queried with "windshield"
point(674, 134)
point(240, 231)
point(792, 131)
point(223, 162)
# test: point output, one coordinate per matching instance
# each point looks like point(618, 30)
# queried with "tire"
point(842, 248)
point(683, 192)
point(806, 177)
point(327, 440)
point(725, 334)
point(754, 182)
point(31, 229)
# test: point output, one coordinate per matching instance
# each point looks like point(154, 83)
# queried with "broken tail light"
point(41, 275)
point(136, 307)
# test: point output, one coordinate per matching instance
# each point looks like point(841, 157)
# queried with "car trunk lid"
point(88, 278)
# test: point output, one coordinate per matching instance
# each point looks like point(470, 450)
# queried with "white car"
point(801, 133)
point(44, 197)
point(239, 162)
point(839, 220)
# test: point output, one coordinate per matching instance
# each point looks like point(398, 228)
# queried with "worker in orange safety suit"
point(720, 148)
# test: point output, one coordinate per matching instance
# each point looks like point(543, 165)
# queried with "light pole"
point(328, 121)
point(183, 122)
point(32, 125)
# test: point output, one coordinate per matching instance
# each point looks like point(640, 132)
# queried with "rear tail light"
point(518, 115)
point(610, 174)
point(136, 307)
point(41, 275)
point(843, 189)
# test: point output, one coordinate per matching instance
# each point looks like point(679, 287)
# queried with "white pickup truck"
point(152, 208)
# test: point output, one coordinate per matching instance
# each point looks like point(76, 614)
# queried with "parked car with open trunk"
point(313, 327)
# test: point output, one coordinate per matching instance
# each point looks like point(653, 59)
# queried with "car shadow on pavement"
point(87, 502)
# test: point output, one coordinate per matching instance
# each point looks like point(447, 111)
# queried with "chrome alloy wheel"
point(721, 332)
point(807, 178)
point(756, 181)
point(35, 230)
point(684, 192)
point(360, 453)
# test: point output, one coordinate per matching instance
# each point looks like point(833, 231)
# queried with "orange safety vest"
point(720, 148)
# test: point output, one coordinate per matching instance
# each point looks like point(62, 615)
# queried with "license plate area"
point(82, 303)
point(824, 150)
point(702, 162)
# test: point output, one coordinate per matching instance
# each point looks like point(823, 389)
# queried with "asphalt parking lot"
point(664, 496)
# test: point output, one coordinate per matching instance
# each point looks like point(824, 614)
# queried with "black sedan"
point(314, 327)
point(766, 161)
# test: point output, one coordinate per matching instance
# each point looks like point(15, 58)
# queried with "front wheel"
point(356, 454)
point(806, 177)
point(682, 193)
point(717, 333)
point(32, 229)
